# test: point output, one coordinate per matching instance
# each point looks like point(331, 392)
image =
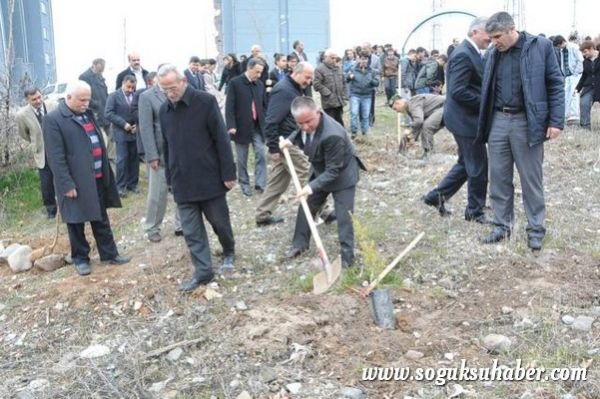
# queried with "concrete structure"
point(33, 41)
point(273, 24)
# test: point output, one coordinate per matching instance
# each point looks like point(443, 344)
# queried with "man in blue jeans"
point(363, 81)
point(588, 87)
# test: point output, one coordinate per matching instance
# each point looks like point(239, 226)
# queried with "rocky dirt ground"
point(126, 331)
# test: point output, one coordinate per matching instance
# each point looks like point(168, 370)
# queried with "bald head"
point(303, 74)
point(134, 60)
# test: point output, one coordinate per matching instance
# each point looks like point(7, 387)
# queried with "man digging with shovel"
point(334, 170)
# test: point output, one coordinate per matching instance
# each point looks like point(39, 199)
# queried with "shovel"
point(382, 306)
point(331, 271)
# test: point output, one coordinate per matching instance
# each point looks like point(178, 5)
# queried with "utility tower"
point(516, 8)
point(436, 34)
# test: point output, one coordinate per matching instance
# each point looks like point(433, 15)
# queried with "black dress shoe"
point(117, 260)
point(270, 220)
point(227, 266)
point(179, 233)
point(294, 252)
point(259, 189)
point(496, 235)
point(534, 243)
point(83, 269)
point(481, 219)
point(134, 190)
point(330, 218)
point(195, 282)
point(438, 203)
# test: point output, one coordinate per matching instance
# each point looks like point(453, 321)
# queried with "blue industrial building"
point(274, 25)
point(34, 60)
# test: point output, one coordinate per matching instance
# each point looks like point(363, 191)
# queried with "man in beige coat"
point(29, 124)
point(426, 112)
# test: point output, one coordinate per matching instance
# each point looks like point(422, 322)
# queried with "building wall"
point(33, 40)
point(274, 25)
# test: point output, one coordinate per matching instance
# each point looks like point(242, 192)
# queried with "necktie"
point(38, 115)
point(254, 113)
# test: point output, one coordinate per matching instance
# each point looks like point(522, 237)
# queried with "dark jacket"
point(543, 90)
point(238, 108)
point(333, 159)
point(279, 120)
point(362, 81)
point(69, 152)
point(590, 78)
point(463, 93)
point(128, 71)
point(427, 75)
point(409, 74)
point(198, 156)
point(99, 94)
point(330, 83)
point(118, 112)
point(230, 73)
point(196, 81)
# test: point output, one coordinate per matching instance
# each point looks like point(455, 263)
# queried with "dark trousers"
point(216, 212)
point(336, 113)
point(47, 187)
point(472, 168)
point(344, 207)
point(128, 165)
point(391, 85)
point(105, 242)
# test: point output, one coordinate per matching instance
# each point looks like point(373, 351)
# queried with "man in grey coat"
point(329, 81)
point(334, 170)
point(151, 135)
point(83, 180)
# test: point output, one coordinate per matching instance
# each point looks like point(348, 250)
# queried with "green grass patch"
point(301, 282)
point(19, 195)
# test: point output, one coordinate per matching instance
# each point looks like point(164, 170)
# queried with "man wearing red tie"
point(122, 117)
point(245, 117)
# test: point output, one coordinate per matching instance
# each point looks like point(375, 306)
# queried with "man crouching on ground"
point(334, 170)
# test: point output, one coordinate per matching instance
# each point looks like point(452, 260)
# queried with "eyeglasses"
point(171, 89)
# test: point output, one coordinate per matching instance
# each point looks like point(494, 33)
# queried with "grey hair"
point(75, 86)
point(303, 103)
point(499, 22)
point(166, 69)
point(329, 52)
point(477, 24)
point(255, 47)
point(301, 66)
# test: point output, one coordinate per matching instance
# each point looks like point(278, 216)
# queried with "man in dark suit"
point(119, 111)
point(245, 118)
point(200, 168)
point(135, 69)
point(94, 77)
point(461, 110)
point(334, 170)
point(83, 180)
point(193, 74)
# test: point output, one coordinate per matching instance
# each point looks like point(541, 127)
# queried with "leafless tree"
point(7, 91)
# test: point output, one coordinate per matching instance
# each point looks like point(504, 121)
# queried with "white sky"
point(171, 31)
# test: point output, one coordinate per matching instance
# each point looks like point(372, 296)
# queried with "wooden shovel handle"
point(393, 264)
point(309, 218)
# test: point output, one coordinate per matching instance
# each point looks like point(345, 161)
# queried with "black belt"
point(510, 110)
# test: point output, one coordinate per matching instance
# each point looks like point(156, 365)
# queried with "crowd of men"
point(501, 102)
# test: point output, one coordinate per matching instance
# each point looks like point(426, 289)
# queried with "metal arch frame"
point(433, 16)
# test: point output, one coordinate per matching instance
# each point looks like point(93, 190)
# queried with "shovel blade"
point(323, 281)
